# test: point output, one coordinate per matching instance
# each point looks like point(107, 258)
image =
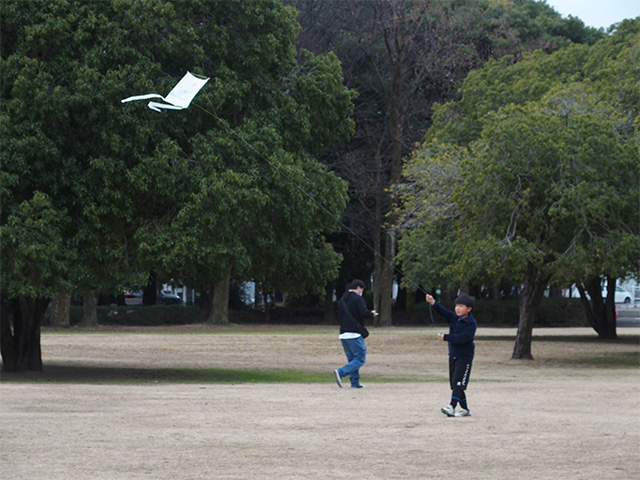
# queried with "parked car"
point(133, 298)
point(168, 298)
point(621, 295)
point(164, 298)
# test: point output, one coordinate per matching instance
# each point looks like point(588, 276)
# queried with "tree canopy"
point(532, 175)
point(96, 195)
point(404, 57)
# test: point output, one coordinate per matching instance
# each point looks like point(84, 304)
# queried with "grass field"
point(240, 402)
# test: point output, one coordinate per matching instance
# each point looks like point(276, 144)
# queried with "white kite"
point(180, 97)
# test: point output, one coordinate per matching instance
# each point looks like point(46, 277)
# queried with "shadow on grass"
point(125, 375)
point(620, 340)
point(86, 374)
point(586, 356)
point(621, 360)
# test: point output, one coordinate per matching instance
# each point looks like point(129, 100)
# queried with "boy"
point(462, 329)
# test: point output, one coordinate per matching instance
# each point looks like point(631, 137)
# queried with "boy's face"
point(462, 310)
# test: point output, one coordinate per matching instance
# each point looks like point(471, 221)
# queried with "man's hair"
point(355, 284)
point(466, 300)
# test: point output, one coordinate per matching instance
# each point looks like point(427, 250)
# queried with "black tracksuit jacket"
point(461, 333)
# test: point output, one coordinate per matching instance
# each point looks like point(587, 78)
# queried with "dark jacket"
point(461, 333)
point(352, 310)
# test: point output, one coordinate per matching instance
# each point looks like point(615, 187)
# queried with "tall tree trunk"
point(220, 311)
point(21, 346)
point(386, 282)
point(8, 343)
point(378, 262)
point(394, 102)
point(206, 305)
point(608, 322)
point(60, 310)
point(385, 270)
point(150, 291)
point(600, 314)
point(89, 310)
point(534, 286)
point(329, 317)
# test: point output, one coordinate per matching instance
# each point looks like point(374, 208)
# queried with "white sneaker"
point(338, 377)
point(449, 411)
point(463, 413)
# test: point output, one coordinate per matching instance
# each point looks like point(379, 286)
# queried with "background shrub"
point(553, 312)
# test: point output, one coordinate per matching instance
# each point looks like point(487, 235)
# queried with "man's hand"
point(430, 299)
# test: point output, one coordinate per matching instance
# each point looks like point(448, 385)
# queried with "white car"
point(622, 295)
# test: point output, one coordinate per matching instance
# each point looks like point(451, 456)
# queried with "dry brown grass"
point(102, 408)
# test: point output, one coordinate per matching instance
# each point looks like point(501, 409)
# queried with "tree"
point(547, 180)
point(263, 203)
point(542, 190)
point(402, 57)
point(60, 310)
point(92, 191)
point(72, 156)
point(614, 253)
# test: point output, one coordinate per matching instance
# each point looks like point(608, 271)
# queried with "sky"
point(597, 13)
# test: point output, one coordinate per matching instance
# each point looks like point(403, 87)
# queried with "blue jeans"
point(356, 352)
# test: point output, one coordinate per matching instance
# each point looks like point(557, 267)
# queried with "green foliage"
point(502, 82)
point(32, 240)
point(188, 194)
point(537, 24)
point(550, 176)
point(403, 57)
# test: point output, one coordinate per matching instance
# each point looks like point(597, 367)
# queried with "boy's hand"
point(441, 337)
point(430, 299)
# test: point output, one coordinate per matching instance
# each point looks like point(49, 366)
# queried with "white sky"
point(597, 13)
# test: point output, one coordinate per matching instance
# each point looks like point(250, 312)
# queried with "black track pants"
point(459, 373)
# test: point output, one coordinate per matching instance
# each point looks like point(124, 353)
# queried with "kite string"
point(321, 206)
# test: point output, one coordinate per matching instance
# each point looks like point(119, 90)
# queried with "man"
point(352, 311)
